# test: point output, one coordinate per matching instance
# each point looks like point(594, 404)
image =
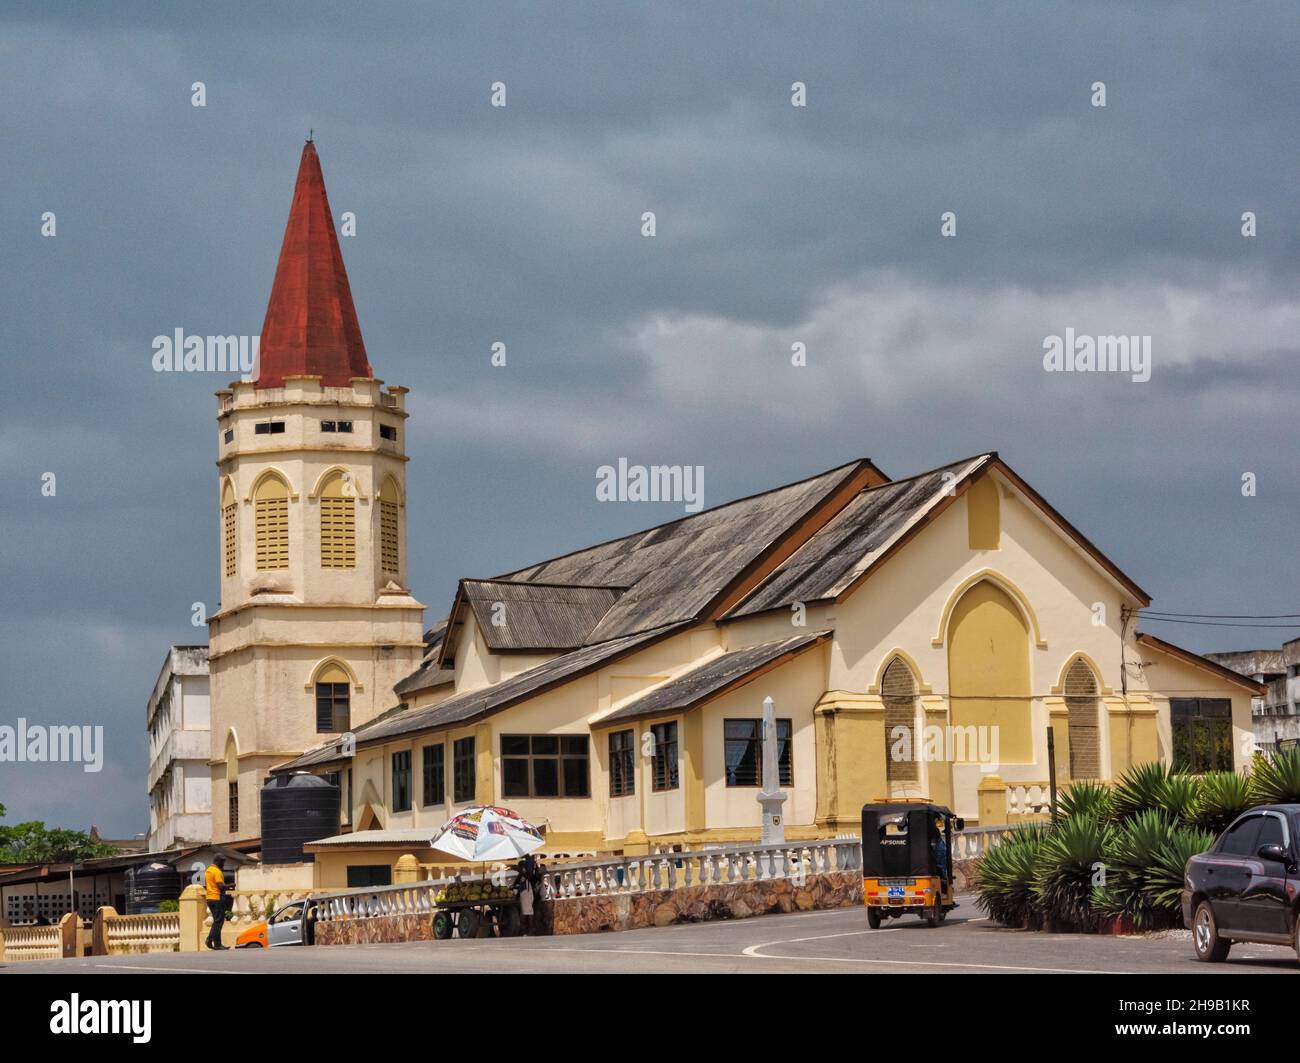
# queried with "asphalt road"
point(812, 942)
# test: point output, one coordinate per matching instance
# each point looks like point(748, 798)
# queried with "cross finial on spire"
point(309, 135)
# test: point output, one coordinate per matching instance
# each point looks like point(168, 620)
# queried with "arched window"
point(333, 700)
point(898, 689)
point(230, 529)
point(1085, 730)
point(338, 523)
point(389, 558)
point(271, 513)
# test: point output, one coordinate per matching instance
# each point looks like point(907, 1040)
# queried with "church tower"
point(316, 622)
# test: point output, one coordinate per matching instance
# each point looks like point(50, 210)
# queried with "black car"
point(1246, 888)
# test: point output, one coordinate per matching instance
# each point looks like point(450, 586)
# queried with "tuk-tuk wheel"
point(934, 913)
point(873, 919)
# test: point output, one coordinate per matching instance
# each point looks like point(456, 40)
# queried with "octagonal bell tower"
point(316, 622)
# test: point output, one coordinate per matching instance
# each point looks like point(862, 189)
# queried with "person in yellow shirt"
point(214, 889)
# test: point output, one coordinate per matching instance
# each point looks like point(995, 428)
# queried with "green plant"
point(1276, 778)
point(1138, 789)
point(1164, 878)
point(1004, 876)
point(1073, 852)
point(1086, 798)
point(1180, 796)
point(1130, 853)
point(169, 906)
point(1224, 795)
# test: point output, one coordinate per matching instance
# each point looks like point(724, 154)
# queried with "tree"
point(34, 843)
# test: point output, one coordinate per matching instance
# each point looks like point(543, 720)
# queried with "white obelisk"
point(770, 796)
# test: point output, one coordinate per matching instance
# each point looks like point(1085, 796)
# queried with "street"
point(824, 942)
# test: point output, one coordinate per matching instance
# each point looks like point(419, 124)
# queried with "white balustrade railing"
point(974, 842)
point(615, 875)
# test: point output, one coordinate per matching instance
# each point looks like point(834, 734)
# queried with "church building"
point(918, 634)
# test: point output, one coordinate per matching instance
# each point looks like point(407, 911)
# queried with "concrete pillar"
point(193, 911)
point(406, 870)
point(851, 758)
point(992, 792)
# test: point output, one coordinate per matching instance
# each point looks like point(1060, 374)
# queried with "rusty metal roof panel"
point(537, 616)
point(852, 540)
point(713, 678)
point(675, 570)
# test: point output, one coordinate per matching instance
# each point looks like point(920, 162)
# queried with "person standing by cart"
point(525, 873)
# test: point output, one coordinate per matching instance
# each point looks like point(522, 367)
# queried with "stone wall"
point(381, 930)
point(631, 911)
point(696, 904)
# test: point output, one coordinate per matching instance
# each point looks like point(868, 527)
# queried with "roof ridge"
point(683, 519)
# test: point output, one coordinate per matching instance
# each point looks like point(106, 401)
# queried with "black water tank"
point(148, 885)
point(296, 809)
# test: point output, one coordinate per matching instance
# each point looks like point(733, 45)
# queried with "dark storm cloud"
point(522, 225)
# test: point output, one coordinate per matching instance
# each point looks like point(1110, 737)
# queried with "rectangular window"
point(228, 435)
point(336, 426)
point(232, 790)
point(332, 708)
point(387, 431)
point(1202, 734)
point(663, 767)
point(269, 428)
point(338, 532)
point(622, 763)
point(402, 781)
point(435, 774)
point(462, 770)
point(743, 749)
point(362, 875)
point(545, 766)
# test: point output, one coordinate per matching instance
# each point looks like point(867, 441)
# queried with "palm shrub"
point(1179, 798)
point(1139, 788)
point(1164, 878)
point(1004, 876)
point(1130, 855)
point(1224, 795)
point(1086, 798)
point(1276, 778)
point(1073, 851)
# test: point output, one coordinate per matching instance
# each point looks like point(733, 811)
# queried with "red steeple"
point(311, 326)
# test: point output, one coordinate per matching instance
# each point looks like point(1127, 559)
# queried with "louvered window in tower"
point(898, 689)
point(1085, 730)
point(229, 519)
point(338, 523)
point(388, 527)
point(271, 512)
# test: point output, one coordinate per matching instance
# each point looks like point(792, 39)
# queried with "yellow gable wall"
point(1166, 676)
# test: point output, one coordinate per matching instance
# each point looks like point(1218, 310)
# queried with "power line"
point(1215, 623)
point(1222, 616)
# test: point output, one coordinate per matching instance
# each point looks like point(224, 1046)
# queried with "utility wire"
point(1214, 623)
point(1222, 616)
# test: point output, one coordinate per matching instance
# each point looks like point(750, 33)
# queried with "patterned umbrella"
point(485, 832)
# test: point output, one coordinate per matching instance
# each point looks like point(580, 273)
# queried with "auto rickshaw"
point(907, 860)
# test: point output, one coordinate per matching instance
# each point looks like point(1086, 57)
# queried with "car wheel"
point(873, 919)
point(1210, 948)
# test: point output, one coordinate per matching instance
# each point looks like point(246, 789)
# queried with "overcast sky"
point(775, 225)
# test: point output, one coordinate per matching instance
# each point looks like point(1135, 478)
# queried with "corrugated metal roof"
point(713, 678)
point(406, 836)
point(536, 616)
point(675, 570)
point(851, 541)
point(429, 674)
point(473, 704)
